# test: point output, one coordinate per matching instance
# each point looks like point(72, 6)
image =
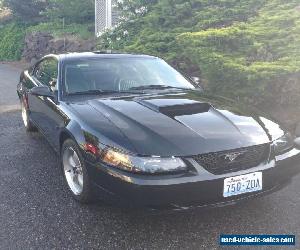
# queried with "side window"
point(46, 72)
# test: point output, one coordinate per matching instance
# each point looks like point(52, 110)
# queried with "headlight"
point(150, 165)
point(283, 144)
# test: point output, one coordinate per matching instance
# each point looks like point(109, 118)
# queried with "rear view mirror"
point(196, 80)
point(53, 82)
point(297, 142)
point(42, 91)
point(297, 134)
point(297, 130)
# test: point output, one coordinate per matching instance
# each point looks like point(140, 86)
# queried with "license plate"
point(242, 184)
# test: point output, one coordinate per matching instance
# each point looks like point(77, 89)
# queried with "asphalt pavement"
point(36, 212)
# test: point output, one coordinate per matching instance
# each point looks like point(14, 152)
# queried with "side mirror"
point(42, 91)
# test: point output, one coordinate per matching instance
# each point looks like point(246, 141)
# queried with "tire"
point(26, 121)
point(75, 172)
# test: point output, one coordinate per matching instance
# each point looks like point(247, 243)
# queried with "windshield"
point(121, 75)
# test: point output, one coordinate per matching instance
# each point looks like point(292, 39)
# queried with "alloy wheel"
point(73, 170)
point(24, 115)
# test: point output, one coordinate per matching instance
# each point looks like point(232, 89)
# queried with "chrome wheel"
point(24, 115)
point(73, 170)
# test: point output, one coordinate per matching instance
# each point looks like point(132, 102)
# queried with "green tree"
point(135, 8)
point(26, 10)
point(74, 11)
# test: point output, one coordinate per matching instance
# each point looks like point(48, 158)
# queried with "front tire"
point(75, 172)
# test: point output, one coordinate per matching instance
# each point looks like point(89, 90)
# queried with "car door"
point(45, 110)
point(34, 102)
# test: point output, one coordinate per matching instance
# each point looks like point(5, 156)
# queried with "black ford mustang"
point(133, 129)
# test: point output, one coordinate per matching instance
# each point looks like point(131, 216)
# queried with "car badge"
point(232, 156)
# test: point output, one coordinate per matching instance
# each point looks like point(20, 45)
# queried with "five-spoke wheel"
point(75, 172)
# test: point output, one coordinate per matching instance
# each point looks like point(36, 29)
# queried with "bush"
point(11, 42)
point(245, 48)
point(255, 58)
point(57, 30)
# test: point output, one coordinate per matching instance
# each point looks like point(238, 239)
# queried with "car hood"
point(178, 124)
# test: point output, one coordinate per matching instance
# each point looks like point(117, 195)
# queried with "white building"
point(106, 15)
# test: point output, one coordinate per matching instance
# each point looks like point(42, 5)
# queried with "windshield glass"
point(121, 75)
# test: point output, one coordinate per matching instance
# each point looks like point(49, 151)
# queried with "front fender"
point(72, 131)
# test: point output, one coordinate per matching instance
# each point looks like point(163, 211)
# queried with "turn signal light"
point(91, 148)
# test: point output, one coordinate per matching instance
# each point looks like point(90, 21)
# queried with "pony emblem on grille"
point(232, 156)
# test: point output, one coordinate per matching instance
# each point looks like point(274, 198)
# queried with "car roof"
point(95, 55)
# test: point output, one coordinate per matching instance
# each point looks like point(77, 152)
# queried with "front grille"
point(233, 160)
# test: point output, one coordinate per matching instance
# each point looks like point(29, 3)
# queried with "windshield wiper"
point(100, 92)
point(87, 92)
point(157, 86)
point(129, 91)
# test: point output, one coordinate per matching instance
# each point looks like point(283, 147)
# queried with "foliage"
point(42, 15)
point(11, 41)
point(249, 48)
point(5, 15)
point(251, 57)
point(75, 11)
point(26, 10)
point(133, 9)
point(57, 30)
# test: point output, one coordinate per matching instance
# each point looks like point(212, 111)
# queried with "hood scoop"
point(187, 109)
point(175, 107)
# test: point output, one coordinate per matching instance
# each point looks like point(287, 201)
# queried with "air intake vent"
point(186, 109)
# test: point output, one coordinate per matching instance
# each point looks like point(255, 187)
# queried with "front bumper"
point(197, 189)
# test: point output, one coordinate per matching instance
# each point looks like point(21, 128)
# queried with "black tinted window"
point(46, 72)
